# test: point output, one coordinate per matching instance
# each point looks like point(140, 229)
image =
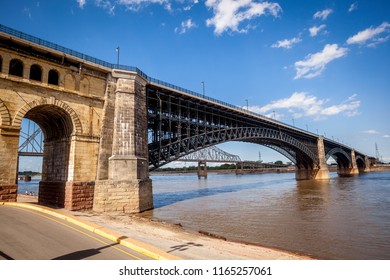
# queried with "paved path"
point(26, 234)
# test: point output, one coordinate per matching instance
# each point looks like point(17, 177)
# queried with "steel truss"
point(211, 154)
point(31, 143)
point(180, 124)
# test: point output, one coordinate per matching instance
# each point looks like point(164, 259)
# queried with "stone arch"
point(77, 127)
point(5, 118)
point(16, 67)
point(84, 85)
point(69, 82)
point(36, 72)
point(53, 77)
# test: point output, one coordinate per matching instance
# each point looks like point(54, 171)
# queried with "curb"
point(128, 242)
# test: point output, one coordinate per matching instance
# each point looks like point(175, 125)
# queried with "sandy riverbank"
point(176, 240)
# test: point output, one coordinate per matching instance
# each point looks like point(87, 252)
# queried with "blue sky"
point(320, 65)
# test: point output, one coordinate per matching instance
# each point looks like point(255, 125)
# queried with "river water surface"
point(340, 218)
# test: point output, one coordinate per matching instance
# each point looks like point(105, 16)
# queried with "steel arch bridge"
point(182, 122)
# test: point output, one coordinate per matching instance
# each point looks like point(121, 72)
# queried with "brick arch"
point(5, 118)
point(49, 101)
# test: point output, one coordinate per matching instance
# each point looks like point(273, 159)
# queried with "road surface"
point(31, 235)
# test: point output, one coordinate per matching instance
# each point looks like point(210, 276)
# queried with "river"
point(341, 218)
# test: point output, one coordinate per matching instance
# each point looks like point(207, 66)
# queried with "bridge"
point(106, 126)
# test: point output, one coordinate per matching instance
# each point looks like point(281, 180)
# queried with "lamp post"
point(247, 106)
point(117, 61)
point(203, 88)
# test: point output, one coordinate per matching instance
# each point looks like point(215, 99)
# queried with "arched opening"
point(360, 164)
point(1, 64)
point(57, 128)
point(16, 67)
point(30, 153)
point(36, 73)
point(53, 78)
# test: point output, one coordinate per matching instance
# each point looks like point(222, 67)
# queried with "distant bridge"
point(106, 125)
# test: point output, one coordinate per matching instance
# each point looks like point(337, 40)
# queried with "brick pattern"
point(8, 192)
point(69, 195)
point(79, 195)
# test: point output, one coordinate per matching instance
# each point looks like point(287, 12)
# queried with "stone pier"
point(320, 172)
point(352, 169)
point(9, 139)
point(123, 178)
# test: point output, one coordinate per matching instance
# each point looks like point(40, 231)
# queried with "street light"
point(203, 88)
point(117, 61)
point(247, 106)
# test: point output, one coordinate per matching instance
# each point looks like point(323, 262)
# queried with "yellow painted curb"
point(128, 242)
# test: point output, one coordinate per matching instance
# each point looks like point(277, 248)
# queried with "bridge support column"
point(317, 173)
point(240, 168)
point(352, 169)
point(127, 187)
point(202, 169)
point(367, 163)
point(9, 140)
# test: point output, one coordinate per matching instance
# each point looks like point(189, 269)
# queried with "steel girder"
point(167, 150)
point(342, 158)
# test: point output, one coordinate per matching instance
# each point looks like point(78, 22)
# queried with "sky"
point(322, 66)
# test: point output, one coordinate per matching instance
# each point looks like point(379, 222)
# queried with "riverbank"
point(177, 241)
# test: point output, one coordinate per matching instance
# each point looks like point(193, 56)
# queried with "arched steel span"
point(342, 158)
point(281, 142)
point(180, 123)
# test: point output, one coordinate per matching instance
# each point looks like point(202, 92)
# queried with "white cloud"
point(371, 131)
point(106, 5)
point(323, 14)
point(190, 5)
point(185, 26)
point(286, 43)
point(353, 7)
point(314, 64)
point(371, 36)
point(301, 104)
point(316, 29)
point(230, 14)
point(386, 136)
point(135, 5)
point(81, 3)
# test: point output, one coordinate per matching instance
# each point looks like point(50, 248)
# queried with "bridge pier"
point(351, 170)
point(123, 183)
point(319, 172)
point(9, 139)
point(202, 169)
point(240, 168)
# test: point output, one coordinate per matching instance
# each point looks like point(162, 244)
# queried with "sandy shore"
point(176, 240)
